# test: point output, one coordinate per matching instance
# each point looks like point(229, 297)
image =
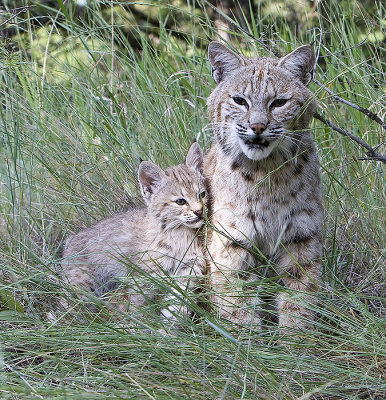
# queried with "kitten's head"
point(177, 196)
point(260, 104)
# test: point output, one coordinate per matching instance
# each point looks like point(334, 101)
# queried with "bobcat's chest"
point(259, 210)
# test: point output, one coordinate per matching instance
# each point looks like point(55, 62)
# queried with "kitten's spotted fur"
point(263, 172)
point(160, 239)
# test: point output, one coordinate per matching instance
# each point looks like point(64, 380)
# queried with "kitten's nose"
point(258, 128)
point(198, 213)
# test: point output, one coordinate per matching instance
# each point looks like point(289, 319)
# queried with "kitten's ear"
point(149, 176)
point(223, 61)
point(300, 63)
point(195, 157)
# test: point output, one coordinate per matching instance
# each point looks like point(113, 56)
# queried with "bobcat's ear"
point(223, 61)
point(149, 176)
point(195, 157)
point(300, 63)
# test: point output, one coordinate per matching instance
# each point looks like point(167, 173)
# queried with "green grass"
point(77, 115)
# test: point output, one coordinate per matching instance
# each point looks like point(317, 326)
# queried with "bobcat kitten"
point(263, 175)
point(160, 239)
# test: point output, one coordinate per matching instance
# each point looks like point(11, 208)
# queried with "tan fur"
point(264, 183)
point(160, 239)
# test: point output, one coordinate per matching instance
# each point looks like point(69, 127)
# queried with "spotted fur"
point(264, 178)
point(160, 239)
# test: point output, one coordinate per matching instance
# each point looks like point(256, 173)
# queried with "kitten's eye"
point(240, 101)
point(181, 202)
point(202, 195)
point(278, 103)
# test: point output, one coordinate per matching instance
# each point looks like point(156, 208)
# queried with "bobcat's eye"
point(202, 195)
point(181, 202)
point(240, 101)
point(278, 103)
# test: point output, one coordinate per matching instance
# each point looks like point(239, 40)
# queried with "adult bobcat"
point(263, 174)
point(160, 239)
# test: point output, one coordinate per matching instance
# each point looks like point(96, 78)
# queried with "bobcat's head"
point(177, 196)
point(260, 105)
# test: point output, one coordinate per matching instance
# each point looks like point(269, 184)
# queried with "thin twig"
point(365, 111)
point(20, 11)
point(348, 48)
point(371, 153)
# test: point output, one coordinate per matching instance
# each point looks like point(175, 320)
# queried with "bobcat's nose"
point(258, 128)
point(198, 213)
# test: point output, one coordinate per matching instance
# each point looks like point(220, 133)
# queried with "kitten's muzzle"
point(198, 213)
